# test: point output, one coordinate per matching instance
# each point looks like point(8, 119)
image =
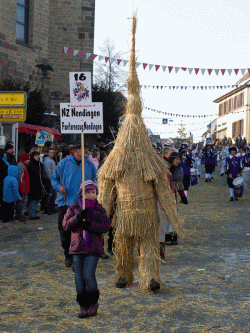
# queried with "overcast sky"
point(183, 33)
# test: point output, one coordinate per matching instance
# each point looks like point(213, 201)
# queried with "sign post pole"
point(83, 177)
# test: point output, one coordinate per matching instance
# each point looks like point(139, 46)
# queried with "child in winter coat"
point(87, 227)
point(10, 193)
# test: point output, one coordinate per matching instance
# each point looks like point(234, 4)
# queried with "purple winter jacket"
point(99, 224)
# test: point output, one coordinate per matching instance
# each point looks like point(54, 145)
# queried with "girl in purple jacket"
point(86, 247)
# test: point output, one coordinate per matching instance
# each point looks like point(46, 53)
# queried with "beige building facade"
point(233, 112)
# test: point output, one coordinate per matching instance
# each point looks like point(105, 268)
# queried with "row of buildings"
point(233, 113)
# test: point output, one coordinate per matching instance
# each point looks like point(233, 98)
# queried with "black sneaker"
point(231, 199)
point(154, 285)
point(236, 199)
point(34, 218)
point(206, 180)
point(121, 283)
point(209, 180)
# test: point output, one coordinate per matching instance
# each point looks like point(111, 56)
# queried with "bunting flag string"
point(196, 129)
point(153, 122)
point(180, 115)
point(165, 69)
point(185, 87)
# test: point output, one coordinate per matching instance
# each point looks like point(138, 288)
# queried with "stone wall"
point(52, 25)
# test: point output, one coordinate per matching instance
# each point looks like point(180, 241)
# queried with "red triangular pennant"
point(69, 50)
point(94, 56)
point(236, 70)
point(196, 70)
point(184, 68)
point(118, 61)
point(157, 67)
point(106, 59)
point(248, 70)
point(82, 53)
point(223, 71)
point(144, 65)
point(170, 68)
point(209, 71)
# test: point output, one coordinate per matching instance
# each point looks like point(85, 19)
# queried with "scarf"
point(89, 205)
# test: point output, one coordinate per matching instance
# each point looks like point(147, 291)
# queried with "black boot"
point(168, 237)
point(92, 298)
point(154, 285)
point(121, 283)
point(83, 302)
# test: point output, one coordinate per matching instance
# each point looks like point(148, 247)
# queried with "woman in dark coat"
point(35, 195)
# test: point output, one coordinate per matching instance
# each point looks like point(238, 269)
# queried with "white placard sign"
point(80, 87)
point(81, 118)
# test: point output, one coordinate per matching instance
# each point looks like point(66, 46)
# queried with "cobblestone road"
point(206, 276)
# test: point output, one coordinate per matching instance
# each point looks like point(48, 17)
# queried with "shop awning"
point(22, 127)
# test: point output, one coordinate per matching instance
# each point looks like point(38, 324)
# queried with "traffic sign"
point(13, 106)
point(208, 140)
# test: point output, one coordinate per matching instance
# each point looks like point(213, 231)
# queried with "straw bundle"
point(133, 178)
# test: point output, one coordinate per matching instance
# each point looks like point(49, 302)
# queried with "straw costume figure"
point(131, 180)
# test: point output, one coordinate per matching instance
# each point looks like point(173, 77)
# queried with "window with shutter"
point(22, 21)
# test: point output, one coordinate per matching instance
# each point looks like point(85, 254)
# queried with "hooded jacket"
point(11, 185)
point(99, 224)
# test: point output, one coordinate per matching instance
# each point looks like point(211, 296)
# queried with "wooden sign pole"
point(83, 177)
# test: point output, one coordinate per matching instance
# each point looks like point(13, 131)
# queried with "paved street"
point(206, 276)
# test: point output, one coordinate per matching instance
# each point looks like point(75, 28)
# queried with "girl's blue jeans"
point(85, 268)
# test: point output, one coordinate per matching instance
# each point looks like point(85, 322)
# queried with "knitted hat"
point(89, 184)
point(24, 157)
point(8, 146)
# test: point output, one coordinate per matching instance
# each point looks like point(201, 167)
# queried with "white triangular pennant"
point(190, 70)
point(150, 66)
point(203, 70)
point(65, 49)
point(125, 62)
point(216, 71)
point(112, 60)
point(176, 69)
point(243, 71)
point(164, 68)
point(225, 87)
point(185, 87)
point(145, 87)
point(229, 71)
point(75, 52)
point(137, 64)
point(88, 55)
point(100, 58)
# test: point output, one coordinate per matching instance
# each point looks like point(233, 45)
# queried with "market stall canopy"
point(22, 127)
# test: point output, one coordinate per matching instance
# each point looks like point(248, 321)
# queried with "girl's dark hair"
point(172, 157)
point(34, 153)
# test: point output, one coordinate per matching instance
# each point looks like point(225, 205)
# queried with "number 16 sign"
point(80, 87)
